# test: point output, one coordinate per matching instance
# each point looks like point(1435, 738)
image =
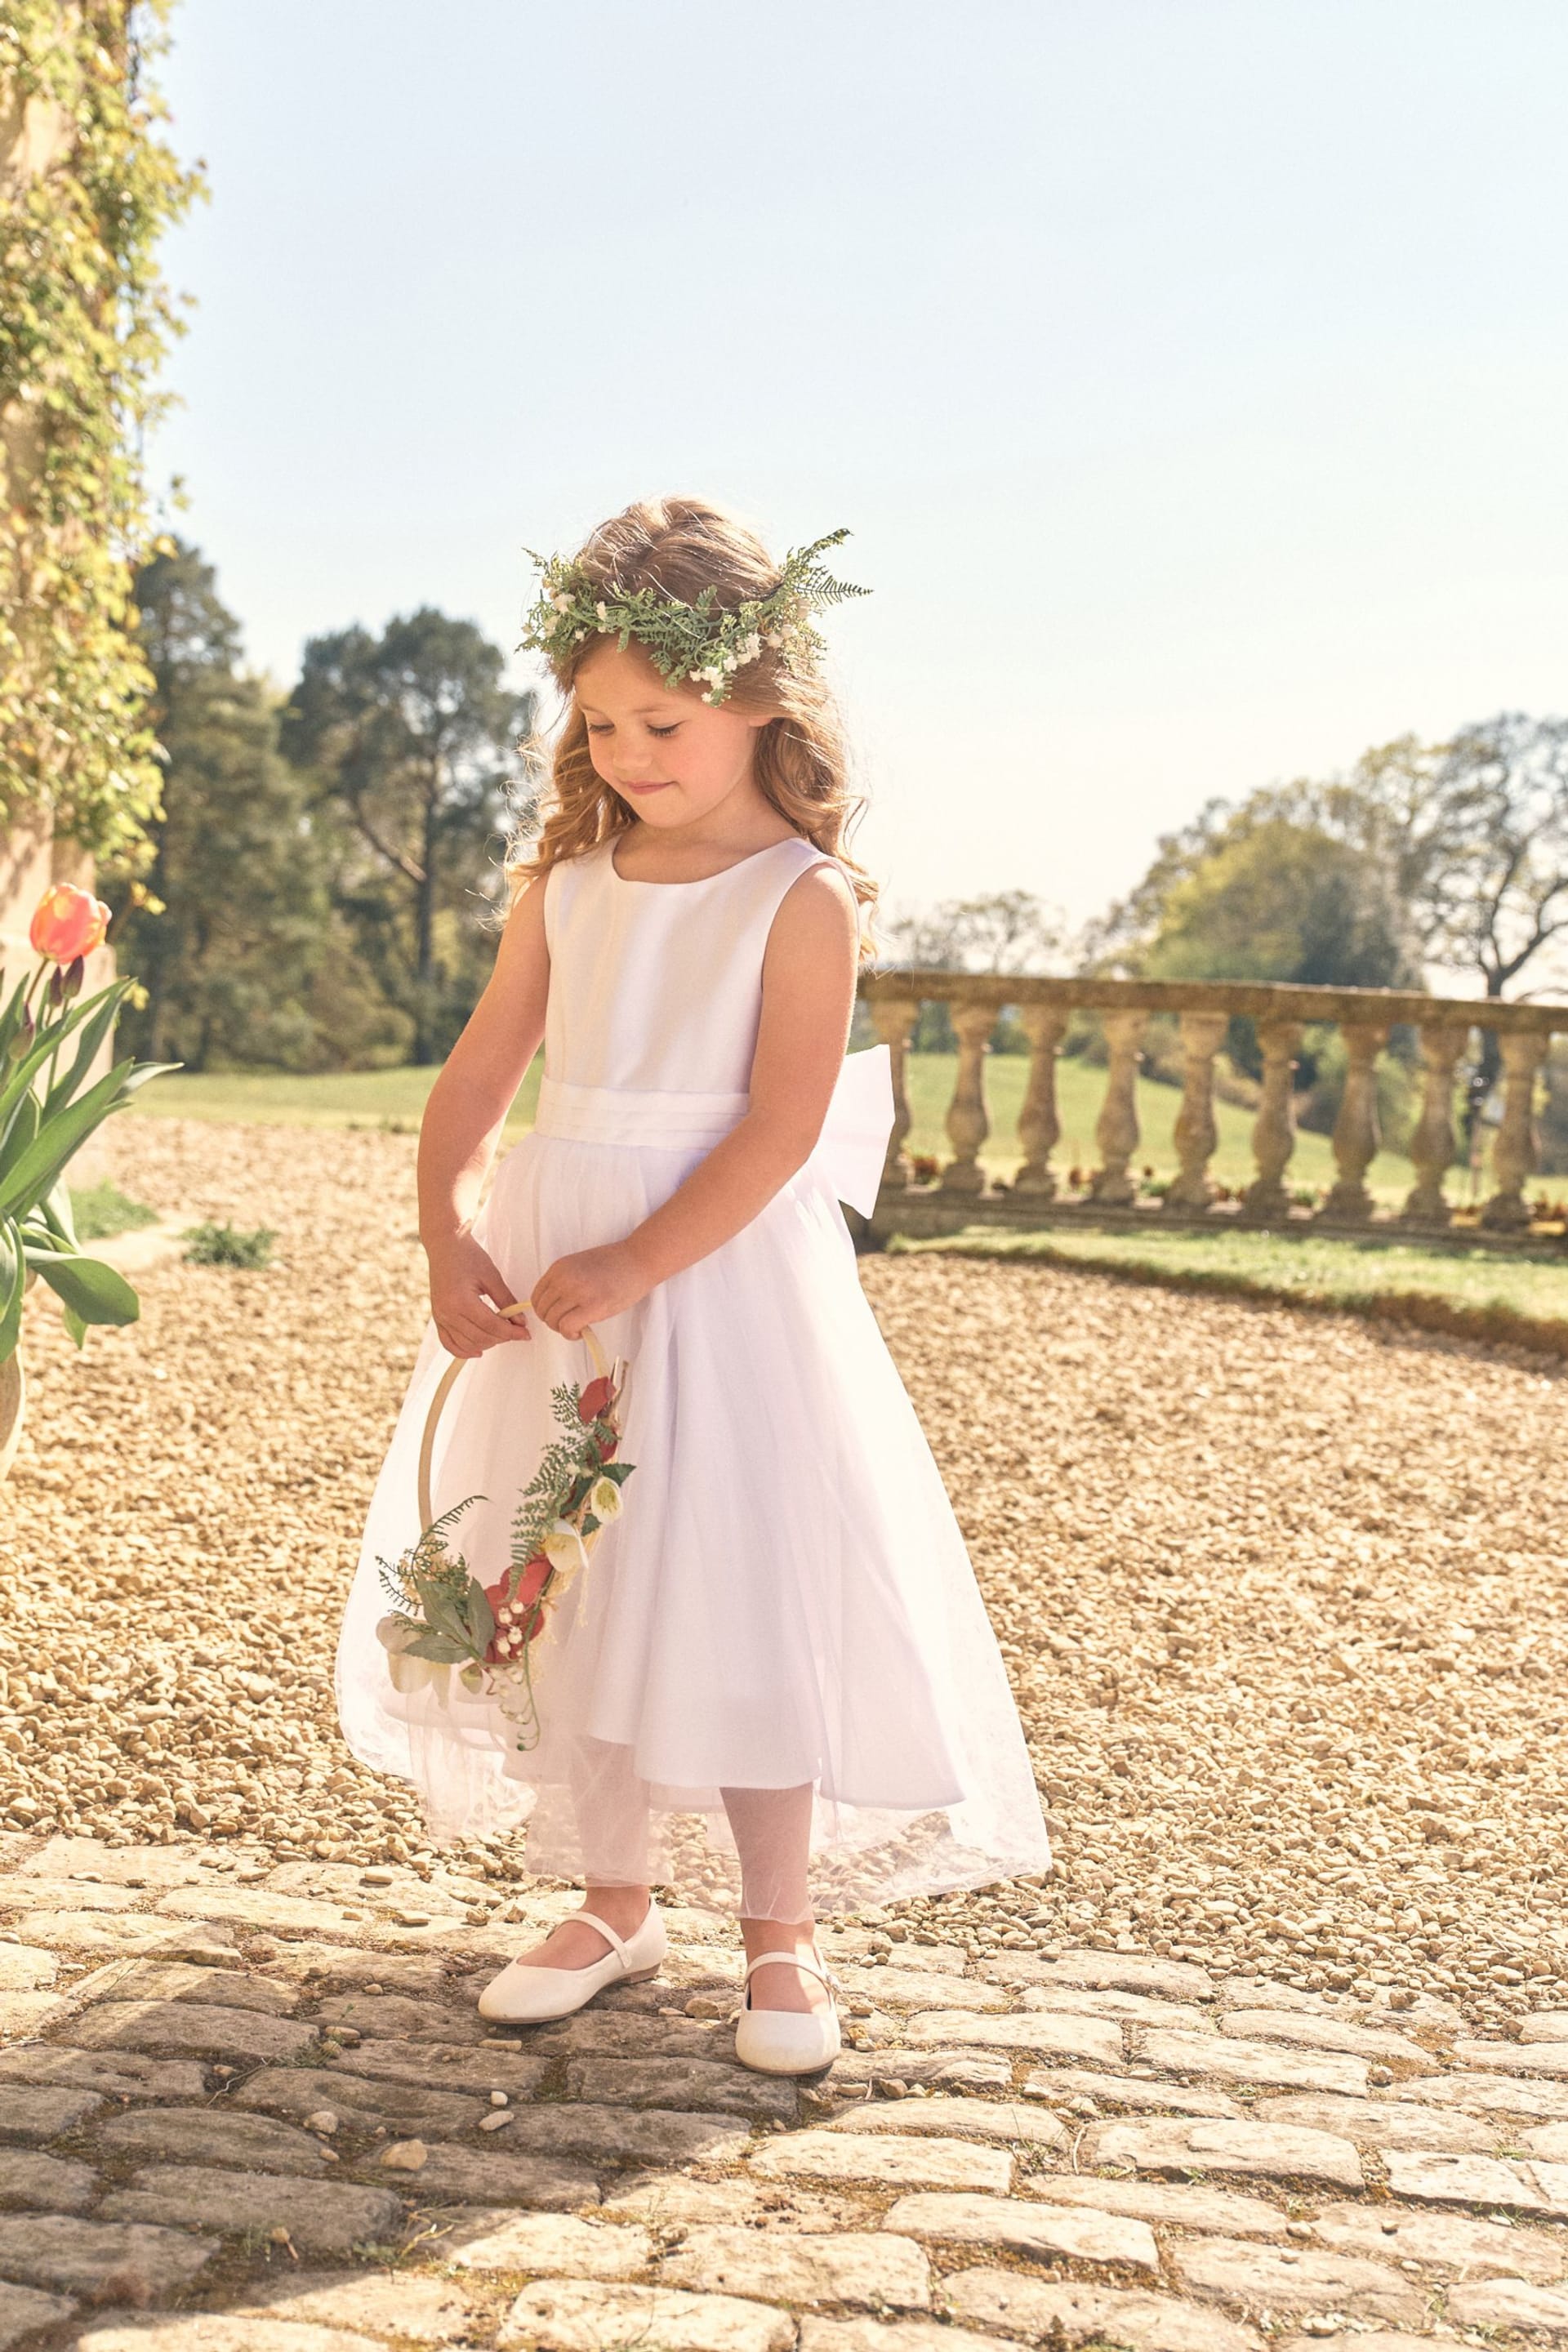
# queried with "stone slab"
point(1125, 1972)
point(213, 2134)
point(1383, 2123)
point(1225, 2058)
point(191, 2029)
point(550, 2246)
point(1223, 2212)
point(26, 1968)
point(1489, 2094)
point(120, 2074)
point(388, 2303)
point(100, 2259)
point(1259, 2151)
point(894, 2336)
point(23, 2013)
point(229, 1987)
point(895, 1987)
point(36, 2111)
point(1073, 2315)
point(1511, 2303)
point(1146, 2095)
point(496, 2067)
point(1305, 2031)
point(1008, 2122)
point(400, 2108)
point(576, 2316)
point(1124, 2008)
point(1270, 2278)
point(1515, 2057)
point(1036, 2035)
point(214, 2331)
point(876, 2267)
point(481, 2176)
point(107, 1935)
point(24, 2311)
point(137, 1866)
point(1043, 2232)
point(887, 2160)
point(702, 2083)
point(1442, 2242)
point(320, 2216)
point(1546, 2025)
point(675, 2200)
point(45, 2184)
point(1443, 2179)
point(391, 2016)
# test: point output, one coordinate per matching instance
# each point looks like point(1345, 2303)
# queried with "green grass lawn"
point(395, 1100)
point(1467, 1290)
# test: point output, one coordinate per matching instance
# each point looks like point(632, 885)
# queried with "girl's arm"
point(808, 1000)
point(462, 1125)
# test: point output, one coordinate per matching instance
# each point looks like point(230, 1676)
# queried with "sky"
point(1191, 373)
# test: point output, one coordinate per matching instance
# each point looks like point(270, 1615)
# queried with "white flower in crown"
point(605, 1502)
point(563, 1549)
point(561, 603)
point(600, 612)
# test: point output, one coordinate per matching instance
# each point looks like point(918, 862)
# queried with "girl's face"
point(672, 758)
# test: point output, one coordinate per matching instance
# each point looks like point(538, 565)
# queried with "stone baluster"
point(1273, 1131)
point(893, 1017)
point(1196, 1135)
point(1513, 1152)
point(1116, 1129)
point(1356, 1137)
point(967, 1123)
point(1039, 1125)
point(1432, 1143)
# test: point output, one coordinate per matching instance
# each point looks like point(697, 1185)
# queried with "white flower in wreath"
point(563, 1549)
point(563, 603)
point(605, 1502)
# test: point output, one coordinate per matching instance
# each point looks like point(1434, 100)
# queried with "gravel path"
point(1283, 1599)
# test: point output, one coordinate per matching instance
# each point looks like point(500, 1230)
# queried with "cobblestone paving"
point(275, 2123)
point(1277, 2055)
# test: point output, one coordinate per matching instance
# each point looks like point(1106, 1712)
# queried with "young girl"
point(776, 1661)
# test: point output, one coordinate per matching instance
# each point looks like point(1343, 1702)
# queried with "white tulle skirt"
point(785, 1604)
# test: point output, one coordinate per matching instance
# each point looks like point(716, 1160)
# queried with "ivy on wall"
point(85, 321)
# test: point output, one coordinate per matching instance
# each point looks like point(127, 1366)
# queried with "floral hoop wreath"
point(703, 640)
point(443, 1620)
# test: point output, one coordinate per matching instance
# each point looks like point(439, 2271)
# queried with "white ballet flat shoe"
point(529, 1996)
point(788, 2041)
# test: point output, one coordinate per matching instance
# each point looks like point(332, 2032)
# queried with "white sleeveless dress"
point(786, 1598)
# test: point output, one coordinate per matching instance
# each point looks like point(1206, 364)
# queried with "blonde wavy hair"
point(680, 546)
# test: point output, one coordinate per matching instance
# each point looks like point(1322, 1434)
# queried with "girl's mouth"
point(660, 787)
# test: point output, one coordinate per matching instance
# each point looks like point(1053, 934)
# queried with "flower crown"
point(703, 640)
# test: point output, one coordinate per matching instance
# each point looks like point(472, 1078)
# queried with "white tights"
point(771, 1829)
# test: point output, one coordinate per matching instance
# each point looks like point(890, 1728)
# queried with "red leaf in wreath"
point(594, 1399)
point(606, 1448)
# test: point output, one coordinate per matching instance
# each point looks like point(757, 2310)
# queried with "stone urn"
point(13, 1409)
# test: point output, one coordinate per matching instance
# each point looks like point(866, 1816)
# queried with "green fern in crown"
point(703, 640)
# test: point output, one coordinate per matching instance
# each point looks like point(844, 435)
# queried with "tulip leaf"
point(13, 1282)
point(37, 1169)
point(52, 1034)
point(92, 1038)
point(21, 1133)
point(73, 1323)
point(94, 1291)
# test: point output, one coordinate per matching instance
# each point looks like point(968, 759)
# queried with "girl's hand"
point(587, 1287)
point(466, 1288)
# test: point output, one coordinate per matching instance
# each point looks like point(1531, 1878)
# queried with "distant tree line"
point(325, 877)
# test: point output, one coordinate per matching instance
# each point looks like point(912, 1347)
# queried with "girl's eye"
point(670, 729)
point(603, 728)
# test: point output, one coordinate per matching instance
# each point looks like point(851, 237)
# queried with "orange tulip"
point(68, 923)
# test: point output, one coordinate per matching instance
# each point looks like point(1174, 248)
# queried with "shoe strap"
point(617, 1943)
point(815, 1966)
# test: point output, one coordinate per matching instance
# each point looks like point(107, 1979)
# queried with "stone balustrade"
point(1201, 1008)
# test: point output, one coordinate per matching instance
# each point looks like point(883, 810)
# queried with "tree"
point(1273, 899)
point(411, 740)
point(232, 929)
point(1007, 930)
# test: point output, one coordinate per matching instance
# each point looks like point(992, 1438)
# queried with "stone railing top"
point(1264, 1001)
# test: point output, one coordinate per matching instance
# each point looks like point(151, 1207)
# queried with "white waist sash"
point(849, 1153)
